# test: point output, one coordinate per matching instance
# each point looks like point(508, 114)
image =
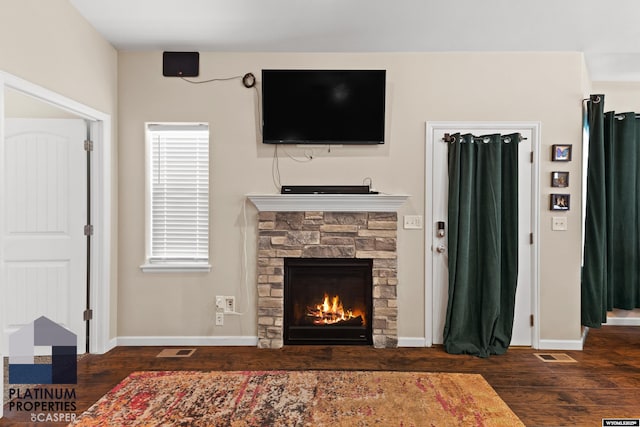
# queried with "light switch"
point(559, 223)
point(413, 222)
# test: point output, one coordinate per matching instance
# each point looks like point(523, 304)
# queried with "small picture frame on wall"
point(561, 152)
point(560, 179)
point(560, 202)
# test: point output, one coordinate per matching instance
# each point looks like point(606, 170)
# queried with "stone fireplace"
point(327, 234)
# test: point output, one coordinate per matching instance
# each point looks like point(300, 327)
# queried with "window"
point(177, 198)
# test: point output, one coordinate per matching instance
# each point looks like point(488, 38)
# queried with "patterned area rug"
point(300, 398)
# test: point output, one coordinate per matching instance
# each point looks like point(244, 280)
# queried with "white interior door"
point(44, 247)
point(525, 301)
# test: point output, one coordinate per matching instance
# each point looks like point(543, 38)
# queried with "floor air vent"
point(555, 358)
point(176, 352)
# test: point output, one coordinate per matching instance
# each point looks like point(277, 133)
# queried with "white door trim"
point(100, 200)
point(431, 128)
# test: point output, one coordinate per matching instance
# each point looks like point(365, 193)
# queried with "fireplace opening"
point(328, 301)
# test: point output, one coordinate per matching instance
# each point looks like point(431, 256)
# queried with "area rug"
point(300, 398)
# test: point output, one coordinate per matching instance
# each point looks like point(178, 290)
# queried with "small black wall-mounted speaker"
point(180, 64)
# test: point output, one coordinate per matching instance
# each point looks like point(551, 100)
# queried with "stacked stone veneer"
point(370, 235)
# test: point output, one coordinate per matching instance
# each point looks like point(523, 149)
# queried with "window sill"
point(176, 268)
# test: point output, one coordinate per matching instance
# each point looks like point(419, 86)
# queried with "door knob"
point(441, 249)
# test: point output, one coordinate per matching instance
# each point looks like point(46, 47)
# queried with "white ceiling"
point(607, 32)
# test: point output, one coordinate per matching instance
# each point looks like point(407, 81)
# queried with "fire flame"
point(330, 311)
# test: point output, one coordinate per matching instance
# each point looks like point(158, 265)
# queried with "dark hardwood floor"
point(603, 383)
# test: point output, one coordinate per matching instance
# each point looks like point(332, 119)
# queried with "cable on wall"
point(244, 262)
point(275, 169)
point(248, 80)
point(308, 156)
point(275, 163)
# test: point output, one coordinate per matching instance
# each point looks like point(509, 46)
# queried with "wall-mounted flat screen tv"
point(323, 106)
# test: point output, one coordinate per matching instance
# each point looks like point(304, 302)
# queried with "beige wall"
point(48, 43)
point(545, 87)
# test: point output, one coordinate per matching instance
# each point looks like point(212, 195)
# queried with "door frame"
point(101, 201)
point(429, 235)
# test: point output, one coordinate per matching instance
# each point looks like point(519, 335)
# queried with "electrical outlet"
point(229, 304)
point(219, 319)
point(220, 302)
point(559, 223)
point(413, 222)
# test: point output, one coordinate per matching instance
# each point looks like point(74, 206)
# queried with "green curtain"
point(483, 243)
point(611, 264)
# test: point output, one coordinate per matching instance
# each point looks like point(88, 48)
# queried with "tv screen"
point(323, 106)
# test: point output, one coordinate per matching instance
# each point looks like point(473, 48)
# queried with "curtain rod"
point(449, 138)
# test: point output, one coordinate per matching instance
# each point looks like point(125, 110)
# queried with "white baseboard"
point(543, 344)
point(561, 344)
point(111, 344)
point(221, 341)
point(623, 321)
point(412, 342)
point(253, 341)
point(188, 341)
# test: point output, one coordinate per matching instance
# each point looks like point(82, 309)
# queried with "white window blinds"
point(179, 192)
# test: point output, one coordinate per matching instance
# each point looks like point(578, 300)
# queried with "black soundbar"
point(326, 189)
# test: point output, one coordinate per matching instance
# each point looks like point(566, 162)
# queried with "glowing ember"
point(330, 311)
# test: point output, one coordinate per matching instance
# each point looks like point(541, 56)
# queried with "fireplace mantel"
point(328, 202)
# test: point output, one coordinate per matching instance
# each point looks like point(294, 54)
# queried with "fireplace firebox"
point(328, 301)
